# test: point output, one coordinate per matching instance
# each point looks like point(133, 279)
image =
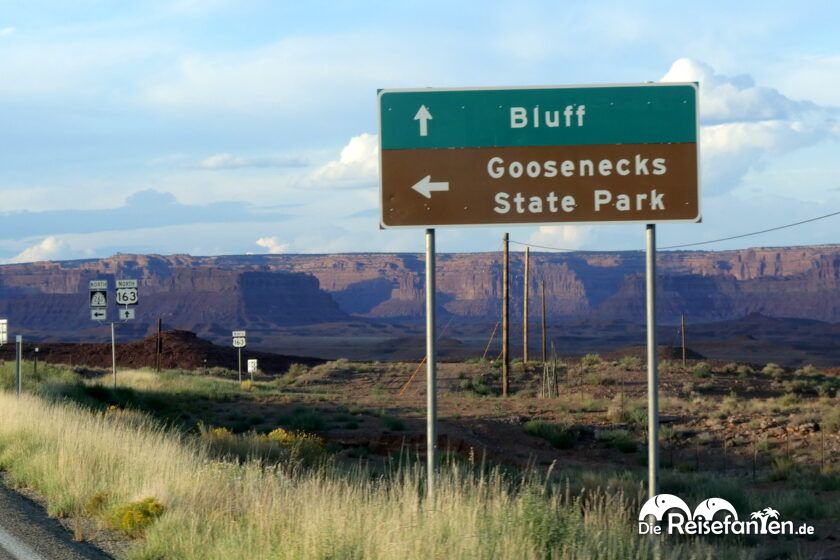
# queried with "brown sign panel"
point(540, 185)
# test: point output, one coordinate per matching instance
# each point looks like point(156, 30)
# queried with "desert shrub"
point(782, 467)
point(701, 370)
point(593, 378)
point(773, 370)
point(729, 368)
point(391, 423)
point(631, 363)
point(622, 411)
point(133, 518)
point(831, 420)
point(247, 385)
point(591, 361)
point(788, 400)
point(296, 370)
point(622, 440)
point(745, 370)
point(799, 387)
point(305, 420)
point(478, 385)
point(560, 436)
point(808, 370)
point(303, 446)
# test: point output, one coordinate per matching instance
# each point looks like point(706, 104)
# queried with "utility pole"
point(505, 318)
point(542, 298)
point(682, 334)
point(158, 347)
point(525, 309)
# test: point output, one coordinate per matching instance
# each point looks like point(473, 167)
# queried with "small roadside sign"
point(239, 342)
point(238, 334)
point(4, 331)
point(98, 313)
point(98, 298)
point(252, 366)
point(127, 296)
point(126, 284)
point(126, 314)
point(98, 285)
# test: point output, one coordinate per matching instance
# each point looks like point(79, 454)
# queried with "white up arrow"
point(426, 186)
point(424, 116)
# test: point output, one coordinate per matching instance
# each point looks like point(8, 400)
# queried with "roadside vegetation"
point(192, 466)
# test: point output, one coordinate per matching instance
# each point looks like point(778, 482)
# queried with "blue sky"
point(218, 127)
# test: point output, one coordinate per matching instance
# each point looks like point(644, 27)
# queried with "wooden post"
point(158, 347)
point(542, 298)
point(525, 309)
point(505, 318)
point(682, 332)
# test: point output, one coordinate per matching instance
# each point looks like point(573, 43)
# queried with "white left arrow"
point(426, 186)
point(424, 116)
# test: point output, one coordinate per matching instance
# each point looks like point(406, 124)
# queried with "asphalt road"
point(26, 533)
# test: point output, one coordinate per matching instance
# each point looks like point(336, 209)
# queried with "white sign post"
point(252, 368)
point(239, 344)
point(4, 331)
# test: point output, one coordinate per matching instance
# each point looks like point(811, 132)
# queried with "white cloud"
point(49, 248)
point(747, 125)
point(7, 31)
point(230, 161)
point(273, 245)
point(561, 237)
point(358, 162)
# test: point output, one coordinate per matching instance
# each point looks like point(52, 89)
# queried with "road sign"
point(98, 298)
point(98, 285)
point(127, 296)
point(126, 284)
point(126, 313)
point(238, 334)
point(252, 366)
point(98, 313)
point(539, 155)
point(239, 342)
point(4, 331)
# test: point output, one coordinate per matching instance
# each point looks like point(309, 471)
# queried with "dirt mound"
point(181, 349)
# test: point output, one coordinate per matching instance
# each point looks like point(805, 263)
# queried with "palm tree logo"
point(764, 515)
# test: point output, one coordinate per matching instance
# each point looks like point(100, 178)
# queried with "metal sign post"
point(18, 360)
point(114, 353)
point(652, 362)
point(239, 344)
point(431, 368)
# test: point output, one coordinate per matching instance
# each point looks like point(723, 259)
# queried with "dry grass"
point(227, 510)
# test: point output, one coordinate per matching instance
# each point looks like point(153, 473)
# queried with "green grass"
point(560, 436)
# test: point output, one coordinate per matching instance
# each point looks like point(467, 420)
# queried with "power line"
point(740, 236)
point(752, 233)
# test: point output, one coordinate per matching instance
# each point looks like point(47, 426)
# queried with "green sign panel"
point(551, 116)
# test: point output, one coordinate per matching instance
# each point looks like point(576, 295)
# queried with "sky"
point(227, 127)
